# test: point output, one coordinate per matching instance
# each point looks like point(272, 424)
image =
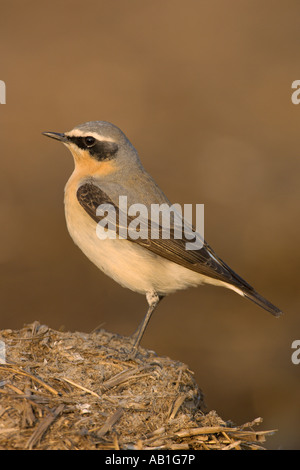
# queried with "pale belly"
point(126, 262)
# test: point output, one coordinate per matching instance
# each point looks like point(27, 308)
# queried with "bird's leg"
point(153, 300)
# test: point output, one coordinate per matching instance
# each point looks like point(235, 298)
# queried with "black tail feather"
point(262, 302)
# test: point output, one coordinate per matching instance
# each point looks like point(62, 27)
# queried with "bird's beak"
point(57, 136)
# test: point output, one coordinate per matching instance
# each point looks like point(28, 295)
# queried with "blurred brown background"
point(203, 91)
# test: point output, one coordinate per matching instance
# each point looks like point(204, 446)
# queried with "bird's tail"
point(261, 301)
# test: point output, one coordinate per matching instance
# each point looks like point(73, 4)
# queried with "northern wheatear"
point(107, 166)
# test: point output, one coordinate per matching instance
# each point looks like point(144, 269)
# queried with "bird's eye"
point(89, 141)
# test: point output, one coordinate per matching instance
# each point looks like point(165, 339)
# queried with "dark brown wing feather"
point(204, 261)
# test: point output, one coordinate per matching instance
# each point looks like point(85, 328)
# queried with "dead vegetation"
point(62, 390)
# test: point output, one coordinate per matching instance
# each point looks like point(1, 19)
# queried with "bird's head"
point(98, 147)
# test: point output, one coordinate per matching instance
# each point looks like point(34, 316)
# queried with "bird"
point(107, 166)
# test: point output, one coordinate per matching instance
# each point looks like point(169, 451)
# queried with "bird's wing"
point(203, 261)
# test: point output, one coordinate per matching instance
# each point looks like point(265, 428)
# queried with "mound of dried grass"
point(62, 390)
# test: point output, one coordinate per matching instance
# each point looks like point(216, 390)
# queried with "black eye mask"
point(98, 149)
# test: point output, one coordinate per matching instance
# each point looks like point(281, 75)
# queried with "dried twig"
point(43, 426)
point(81, 387)
point(32, 377)
point(110, 422)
